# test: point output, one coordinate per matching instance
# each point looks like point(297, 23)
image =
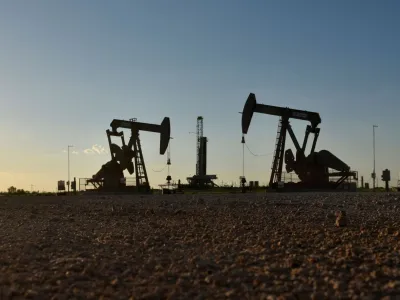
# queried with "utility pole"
point(243, 142)
point(374, 171)
point(69, 183)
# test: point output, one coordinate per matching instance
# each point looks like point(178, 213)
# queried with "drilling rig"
point(201, 179)
point(312, 169)
point(129, 156)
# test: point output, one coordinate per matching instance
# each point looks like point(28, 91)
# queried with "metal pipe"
point(69, 183)
point(373, 139)
point(243, 141)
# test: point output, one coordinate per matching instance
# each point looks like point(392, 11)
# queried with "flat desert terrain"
point(235, 246)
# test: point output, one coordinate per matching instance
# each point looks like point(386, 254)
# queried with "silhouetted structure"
point(312, 170)
point(128, 157)
point(201, 179)
point(386, 178)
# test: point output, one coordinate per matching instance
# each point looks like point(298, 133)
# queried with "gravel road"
point(279, 246)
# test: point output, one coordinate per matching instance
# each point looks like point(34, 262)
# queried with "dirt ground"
point(200, 246)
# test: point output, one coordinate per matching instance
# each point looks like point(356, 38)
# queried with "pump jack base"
point(129, 190)
point(302, 187)
point(172, 191)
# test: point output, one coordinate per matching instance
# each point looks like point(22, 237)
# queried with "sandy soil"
point(200, 247)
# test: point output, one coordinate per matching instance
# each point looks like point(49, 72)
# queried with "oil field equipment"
point(170, 187)
point(201, 179)
point(129, 156)
point(61, 187)
point(312, 169)
point(386, 178)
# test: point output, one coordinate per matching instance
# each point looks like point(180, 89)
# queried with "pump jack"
point(312, 170)
point(108, 178)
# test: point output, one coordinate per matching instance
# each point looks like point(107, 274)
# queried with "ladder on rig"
point(277, 161)
point(140, 168)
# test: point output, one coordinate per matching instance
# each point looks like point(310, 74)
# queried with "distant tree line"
point(13, 191)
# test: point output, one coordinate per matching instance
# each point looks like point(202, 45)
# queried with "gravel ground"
point(283, 246)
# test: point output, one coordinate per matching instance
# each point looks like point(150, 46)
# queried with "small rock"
point(341, 219)
point(178, 212)
point(30, 294)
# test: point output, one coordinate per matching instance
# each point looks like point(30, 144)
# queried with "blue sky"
point(67, 68)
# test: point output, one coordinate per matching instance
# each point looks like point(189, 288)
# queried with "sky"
point(68, 68)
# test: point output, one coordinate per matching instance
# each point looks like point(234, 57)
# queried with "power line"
point(161, 169)
point(257, 154)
